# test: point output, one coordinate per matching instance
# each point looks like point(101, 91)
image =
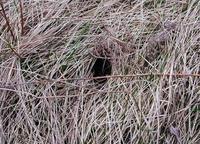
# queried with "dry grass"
point(47, 49)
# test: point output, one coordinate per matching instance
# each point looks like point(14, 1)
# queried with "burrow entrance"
point(101, 67)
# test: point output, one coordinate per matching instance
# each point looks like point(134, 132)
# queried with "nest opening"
point(102, 67)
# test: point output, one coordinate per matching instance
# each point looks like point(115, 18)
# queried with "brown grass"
point(48, 93)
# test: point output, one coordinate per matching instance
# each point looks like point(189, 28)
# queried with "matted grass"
point(47, 90)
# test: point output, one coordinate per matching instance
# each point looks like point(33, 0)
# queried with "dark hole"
point(101, 67)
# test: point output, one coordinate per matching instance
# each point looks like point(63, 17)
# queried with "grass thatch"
point(48, 94)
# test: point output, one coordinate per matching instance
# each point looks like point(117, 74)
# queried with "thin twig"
point(3, 13)
point(7, 20)
point(13, 49)
point(45, 81)
point(137, 75)
point(22, 17)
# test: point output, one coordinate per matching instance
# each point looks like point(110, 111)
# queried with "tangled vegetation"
point(99, 71)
